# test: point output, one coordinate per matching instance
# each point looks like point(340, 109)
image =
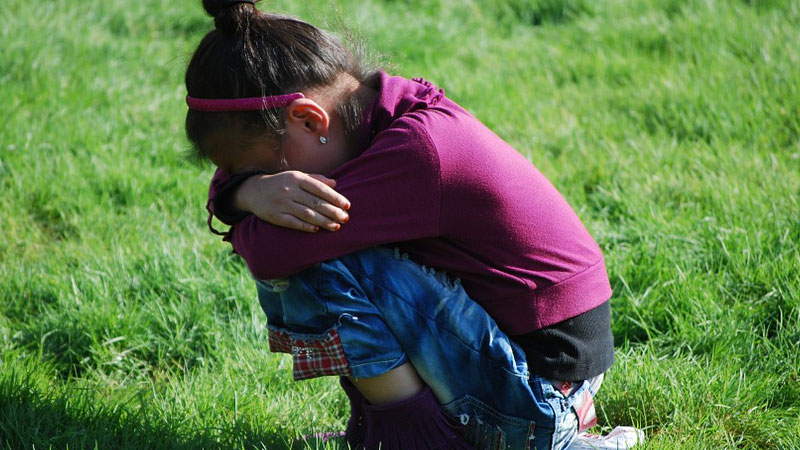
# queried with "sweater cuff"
point(223, 201)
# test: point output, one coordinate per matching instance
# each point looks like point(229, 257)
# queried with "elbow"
point(266, 256)
point(261, 259)
point(265, 267)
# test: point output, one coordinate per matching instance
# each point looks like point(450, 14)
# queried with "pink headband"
point(241, 104)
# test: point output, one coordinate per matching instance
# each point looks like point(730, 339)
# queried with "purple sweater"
point(434, 181)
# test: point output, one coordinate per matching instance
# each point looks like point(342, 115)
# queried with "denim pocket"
point(334, 281)
point(313, 355)
point(486, 428)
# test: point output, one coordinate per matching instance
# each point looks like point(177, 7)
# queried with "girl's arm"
point(289, 199)
point(294, 200)
point(394, 188)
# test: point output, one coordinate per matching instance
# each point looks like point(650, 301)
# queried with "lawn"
point(672, 127)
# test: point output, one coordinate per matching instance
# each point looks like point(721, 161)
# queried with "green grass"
point(672, 127)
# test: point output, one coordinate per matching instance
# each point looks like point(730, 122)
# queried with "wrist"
point(243, 196)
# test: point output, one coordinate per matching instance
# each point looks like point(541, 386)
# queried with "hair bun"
point(215, 7)
point(227, 13)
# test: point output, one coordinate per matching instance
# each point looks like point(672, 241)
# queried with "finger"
point(321, 206)
point(325, 192)
point(329, 181)
point(308, 215)
point(289, 221)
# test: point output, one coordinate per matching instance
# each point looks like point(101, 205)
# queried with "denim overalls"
point(365, 313)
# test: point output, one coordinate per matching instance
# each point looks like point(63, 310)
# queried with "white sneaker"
point(620, 438)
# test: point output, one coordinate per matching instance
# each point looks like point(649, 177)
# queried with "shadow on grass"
point(75, 419)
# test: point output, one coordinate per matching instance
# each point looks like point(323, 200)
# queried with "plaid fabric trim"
point(313, 357)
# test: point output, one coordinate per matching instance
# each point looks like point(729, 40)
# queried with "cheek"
point(309, 156)
point(267, 160)
point(219, 162)
point(301, 155)
point(225, 161)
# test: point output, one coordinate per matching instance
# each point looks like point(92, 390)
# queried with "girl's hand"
point(294, 200)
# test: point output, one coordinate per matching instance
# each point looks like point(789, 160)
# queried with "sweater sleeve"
point(218, 183)
point(221, 192)
point(395, 193)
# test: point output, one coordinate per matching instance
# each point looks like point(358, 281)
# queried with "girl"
point(507, 355)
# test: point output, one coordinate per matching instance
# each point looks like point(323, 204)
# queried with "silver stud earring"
point(323, 140)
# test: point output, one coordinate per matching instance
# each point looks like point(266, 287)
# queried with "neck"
point(345, 100)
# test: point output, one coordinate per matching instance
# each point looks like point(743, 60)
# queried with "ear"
point(307, 116)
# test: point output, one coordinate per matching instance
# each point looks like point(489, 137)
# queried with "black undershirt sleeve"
point(576, 349)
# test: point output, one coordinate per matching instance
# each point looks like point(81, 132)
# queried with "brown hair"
point(255, 54)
